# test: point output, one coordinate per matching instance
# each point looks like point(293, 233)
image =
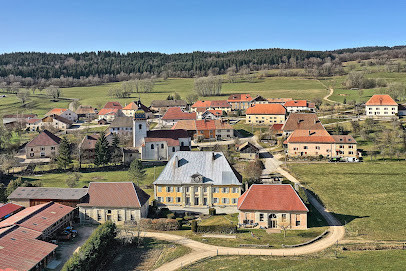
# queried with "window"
point(205, 190)
point(132, 217)
point(317, 147)
point(159, 199)
point(31, 155)
point(178, 189)
point(169, 199)
point(341, 146)
point(52, 148)
point(152, 146)
point(169, 189)
point(305, 147)
point(234, 200)
point(350, 146)
point(140, 126)
point(159, 188)
point(173, 149)
point(235, 189)
point(187, 189)
point(32, 149)
point(42, 149)
point(261, 217)
point(87, 214)
point(215, 190)
point(350, 152)
point(119, 218)
point(225, 201)
point(162, 146)
point(109, 212)
point(225, 190)
point(283, 217)
point(297, 222)
point(98, 215)
point(178, 199)
point(215, 200)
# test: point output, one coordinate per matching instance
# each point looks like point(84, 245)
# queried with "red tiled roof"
point(187, 125)
point(59, 118)
point(45, 138)
point(277, 126)
point(85, 109)
point(204, 104)
point(108, 111)
point(205, 125)
point(266, 109)
point(56, 111)
point(89, 142)
point(279, 100)
point(32, 120)
point(310, 136)
point(222, 125)
point(176, 113)
point(20, 250)
point(239, 98)
point(381, 99)
point(344, 139)
point(20, 116)
point(115, 105)
point(8, 208)
point(296, 103)
point(116, 194)
point(217, 113)
point(136, 106)
point(271, 197)
point(221, 103)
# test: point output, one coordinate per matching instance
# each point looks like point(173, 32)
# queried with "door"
point(272, 222)
point(196, 201)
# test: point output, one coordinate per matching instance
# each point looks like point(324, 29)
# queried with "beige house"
point(301, 121)
point(320, 142)
point(381, 106)
point(239, 101)
point(248, 151)
point(130, 109)
point(272, 206)
point(115, 201)
point(44, 145)
point(55, 121)
point(64, 113)
point(265, 114)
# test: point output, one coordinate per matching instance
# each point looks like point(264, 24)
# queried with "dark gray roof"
point(168, 103)
point(213, 167)
point(119, 122)
point(48, 193)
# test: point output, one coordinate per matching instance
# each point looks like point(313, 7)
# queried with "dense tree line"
point(43, 69)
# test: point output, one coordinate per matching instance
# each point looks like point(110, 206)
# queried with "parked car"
point(352, 159)
point(335, 159)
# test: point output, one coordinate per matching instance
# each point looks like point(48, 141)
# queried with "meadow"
point(97, 96)
point(345, 260)
point(368, 197)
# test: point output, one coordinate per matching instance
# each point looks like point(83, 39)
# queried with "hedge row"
point(161, 224)
point(92, 252)
point(225, 229)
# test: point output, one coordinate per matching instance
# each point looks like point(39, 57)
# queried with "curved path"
point(326, 98)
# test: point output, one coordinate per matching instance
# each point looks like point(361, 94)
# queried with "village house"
point(9, 209)
point(211, 115)
point(301, 121)
point(320, 142)
point(31, 196)
point(295, 106)
point(265, 114)
point(19, 118)
point(44, 145)
point(280, 101)
point(239, 101)
point(206, 129)
point(86, 112)
point(381, 106)
point(174, 114)
point(33, 125)
point(259, 100)
point(248, 151)
point(56, 122)
point(88, 144)
point(272, 206)
point(109, 114)
point(129, 109)
point(161, 106)
point(202, 106)
point(122, 126)
point(161, 145)
point(64, 113)
point(198, 180)
point(113, 105)
point(118, 202)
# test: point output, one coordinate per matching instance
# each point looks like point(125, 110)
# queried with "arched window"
point(173, 149)
point(140, 126)
point(152, 146)
point(162, 146)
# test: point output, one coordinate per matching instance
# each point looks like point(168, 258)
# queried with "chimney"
point(213, 156)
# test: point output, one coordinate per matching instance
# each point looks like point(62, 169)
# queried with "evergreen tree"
point(102, 151)
point(64, 158)
point(3, 191)
point(115, 149)
point(137, 171)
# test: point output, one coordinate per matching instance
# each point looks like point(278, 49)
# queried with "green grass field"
point(365, 260)
point(369, 197)
point(97, 96)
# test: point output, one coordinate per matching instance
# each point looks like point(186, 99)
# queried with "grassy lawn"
point(97, 96)
point(247, 130)
point(58, 179)
point(365, 260)
point(369, 197)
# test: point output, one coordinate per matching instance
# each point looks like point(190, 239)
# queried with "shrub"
point(170, 216)
point(212, 211)
point(93, 250)
point(188, 217)
point(194, 226)
point(180, 221)
point(161, 224)
point(163, 212)
point(223, 228)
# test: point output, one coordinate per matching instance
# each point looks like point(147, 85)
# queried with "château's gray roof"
point(212, 166)
point(50, 193)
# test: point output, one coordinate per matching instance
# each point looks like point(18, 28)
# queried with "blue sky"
point(185, 26)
